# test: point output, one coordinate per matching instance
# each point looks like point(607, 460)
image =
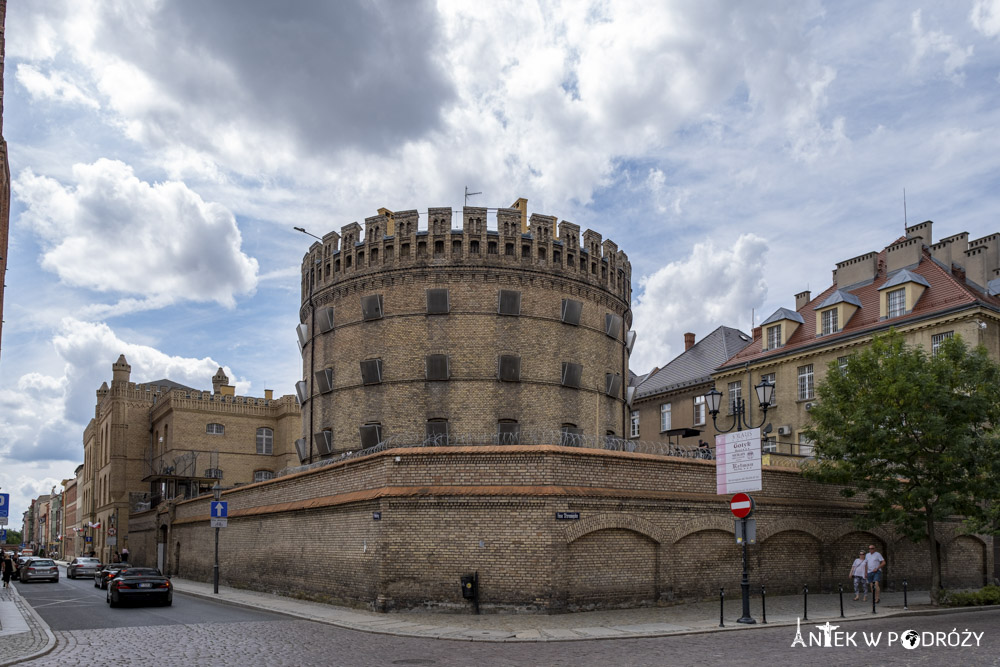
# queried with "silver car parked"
point(83, 566)
point(40, 568)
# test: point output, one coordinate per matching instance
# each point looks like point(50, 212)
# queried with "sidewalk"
point(649, 622)
point(24, 635)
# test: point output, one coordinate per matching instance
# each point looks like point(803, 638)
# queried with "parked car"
point(39, 568)
point(83, 566)
point(109, 572)
point(140, 584)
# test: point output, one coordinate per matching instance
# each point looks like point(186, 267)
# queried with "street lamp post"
point(217, 492)
point(765, 396)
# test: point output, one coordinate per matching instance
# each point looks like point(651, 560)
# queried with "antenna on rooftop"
point(469, 194)
point(904, 209)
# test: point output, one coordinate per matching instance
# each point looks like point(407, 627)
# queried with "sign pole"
point(745, 581)
point(215, 570)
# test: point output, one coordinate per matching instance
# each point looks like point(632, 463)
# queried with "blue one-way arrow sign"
point(220, 509)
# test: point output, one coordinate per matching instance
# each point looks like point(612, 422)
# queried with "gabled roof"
point(695, 365)
point(945, 292)
point(903, 276)
point(839, 296)
point(783, 314)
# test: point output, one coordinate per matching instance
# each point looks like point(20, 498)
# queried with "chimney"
point(688, 341)
point(801, 299)
point(269, 394)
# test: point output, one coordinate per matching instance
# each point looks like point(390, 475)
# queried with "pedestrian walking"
point(8, 570)
point(859, 576)
point(125, 554)
point(873, 566)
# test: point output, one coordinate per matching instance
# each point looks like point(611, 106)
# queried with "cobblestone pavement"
point(22, 632)
point(303, 643)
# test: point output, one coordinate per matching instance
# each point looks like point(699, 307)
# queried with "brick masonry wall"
point(651, 531)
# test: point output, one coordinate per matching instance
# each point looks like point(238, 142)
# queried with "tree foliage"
point(915, 433)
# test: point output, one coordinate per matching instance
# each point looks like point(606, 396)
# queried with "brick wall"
point(651, 531)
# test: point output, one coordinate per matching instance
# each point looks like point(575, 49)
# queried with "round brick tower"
point(508, 335)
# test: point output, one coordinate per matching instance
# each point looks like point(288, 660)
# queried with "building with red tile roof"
point(926, 291)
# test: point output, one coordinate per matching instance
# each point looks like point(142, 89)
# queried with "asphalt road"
point(76, 605)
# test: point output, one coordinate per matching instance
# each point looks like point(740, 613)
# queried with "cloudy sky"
point(161, 152)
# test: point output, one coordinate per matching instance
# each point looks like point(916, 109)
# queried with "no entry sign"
point(741, 505)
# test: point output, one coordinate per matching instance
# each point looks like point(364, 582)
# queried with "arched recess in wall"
point(708, 522)
point(609, 521)
point(769, 528)
point(887, 537)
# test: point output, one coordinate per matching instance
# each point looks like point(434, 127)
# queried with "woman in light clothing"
point(859, 575)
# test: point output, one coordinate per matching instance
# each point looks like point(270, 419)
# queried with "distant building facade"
point(926, 291)
point(162, 440)
point(669, 403)
point(410, 334)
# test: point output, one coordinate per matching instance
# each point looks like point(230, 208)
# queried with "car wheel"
point(107, 598)
point(95, 583)
point(111, 599)
point(168, 602)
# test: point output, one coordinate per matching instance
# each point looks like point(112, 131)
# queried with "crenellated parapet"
point(391, 241)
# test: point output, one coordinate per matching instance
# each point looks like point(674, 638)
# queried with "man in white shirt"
point(873, 567)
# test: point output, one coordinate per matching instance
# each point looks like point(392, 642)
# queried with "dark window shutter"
point(437, 367)
point(324, 380)
point(510, 302)
point(324, 443)
point(510, 368)
point(371, 307)
point(571, 311)
point(324, 319)
point(571, 374)
point(371, 371)
point(437, 433)
point(371, 435)
point(437, 302)
point(612, 384)
point(509, 433)
point(612, 325)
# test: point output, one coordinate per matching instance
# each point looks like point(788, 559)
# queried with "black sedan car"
point(140, 584)
point(109, 572)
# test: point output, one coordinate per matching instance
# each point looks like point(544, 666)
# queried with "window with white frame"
point(634, 424)
point(829, 321)
point(262, 475)
point(215, 429)
point(770, 445)
point(265, 441)
point(774, 337)
point(805, 446)
point(895, 302)
point(842, 363)
point(937, 339)
point(699, 410)
point(665, 417)
point(806, 386)
point(769, 377)
point(735, 390)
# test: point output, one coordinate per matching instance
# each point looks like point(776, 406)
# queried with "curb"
point(50, 643)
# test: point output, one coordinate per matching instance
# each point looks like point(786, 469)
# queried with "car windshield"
point(42, 562)
point(141, 572)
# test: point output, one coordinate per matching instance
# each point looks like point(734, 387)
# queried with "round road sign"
point(112, 532)
point(741, 505)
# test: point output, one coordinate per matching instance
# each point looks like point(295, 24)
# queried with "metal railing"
point(525, 437)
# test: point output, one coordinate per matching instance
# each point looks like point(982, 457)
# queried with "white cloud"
point(936, 42)
point(56, 86)
point(111, 232)
point(985, 17)
point(713, 284)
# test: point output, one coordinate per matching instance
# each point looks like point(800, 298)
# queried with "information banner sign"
point(737, 462)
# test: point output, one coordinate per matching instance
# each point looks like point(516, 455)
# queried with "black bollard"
point(763, 605)
point(904, 595)
point(842, 600)
point(873, 598)
point(805, 602)
point(722, 596)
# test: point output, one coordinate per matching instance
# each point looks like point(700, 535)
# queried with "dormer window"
point(774, 336)
point(900, 293)
point(895, 302)
point(829, 318)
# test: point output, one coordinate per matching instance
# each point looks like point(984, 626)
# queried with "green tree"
point(912, 432)
point(13, 536)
